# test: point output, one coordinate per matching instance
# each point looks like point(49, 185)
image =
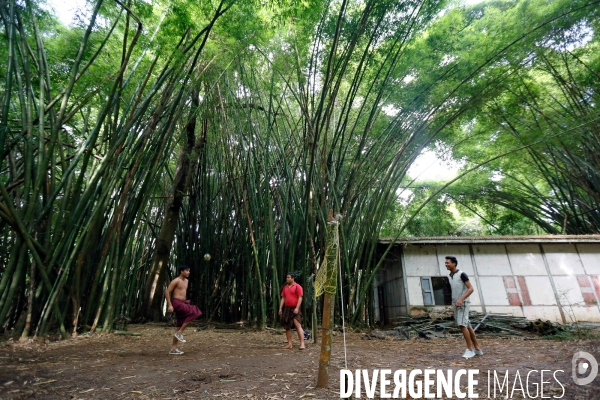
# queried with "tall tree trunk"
point(153, 289)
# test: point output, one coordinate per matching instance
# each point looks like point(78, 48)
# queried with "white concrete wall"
point(475, 299)
point(569, 292)
point(589, 254)
point(491, 259)
point(563, 259)
point(541, 292)
point(543, 313)
point(526, 259)
point(421, 261)
point(511, 310)
point(490, 289)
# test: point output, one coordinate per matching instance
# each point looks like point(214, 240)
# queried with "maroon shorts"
point(184, 311)
point(288, 317)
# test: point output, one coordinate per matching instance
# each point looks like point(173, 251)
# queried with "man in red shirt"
point(289, 310)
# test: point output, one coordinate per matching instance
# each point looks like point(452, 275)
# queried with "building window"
point(427, 291)
point(436, 291)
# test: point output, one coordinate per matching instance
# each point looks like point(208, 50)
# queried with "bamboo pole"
point(330, 286)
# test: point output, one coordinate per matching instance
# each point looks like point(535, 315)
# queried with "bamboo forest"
point(146, 134)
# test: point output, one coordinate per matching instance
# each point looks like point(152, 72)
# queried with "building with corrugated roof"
point(551, 277)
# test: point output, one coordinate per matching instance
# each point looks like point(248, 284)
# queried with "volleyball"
point(207, 257)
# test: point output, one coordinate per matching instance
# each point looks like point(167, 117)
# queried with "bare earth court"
point(222, 363)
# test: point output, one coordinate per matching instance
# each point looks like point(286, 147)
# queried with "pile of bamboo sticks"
point(439, 325)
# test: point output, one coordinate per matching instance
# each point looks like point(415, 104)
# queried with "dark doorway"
point(442, 294)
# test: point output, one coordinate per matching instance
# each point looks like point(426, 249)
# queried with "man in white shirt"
point(461, 290)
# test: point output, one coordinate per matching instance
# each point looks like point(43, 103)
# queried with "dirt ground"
point(228, 363)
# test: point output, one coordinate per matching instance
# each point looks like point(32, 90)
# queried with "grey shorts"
point(461, 315)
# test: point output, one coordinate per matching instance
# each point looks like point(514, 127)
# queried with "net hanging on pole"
point(326, 279)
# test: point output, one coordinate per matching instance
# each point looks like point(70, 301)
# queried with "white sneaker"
point(176, 352)
point(468, 354)
point(179, 337)
point(478, 352)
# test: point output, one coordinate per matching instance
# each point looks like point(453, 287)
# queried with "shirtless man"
point(184, 311)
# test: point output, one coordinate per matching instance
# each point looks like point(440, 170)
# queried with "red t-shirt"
point(291, 294)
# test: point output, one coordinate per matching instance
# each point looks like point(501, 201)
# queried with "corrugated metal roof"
point(493, 239)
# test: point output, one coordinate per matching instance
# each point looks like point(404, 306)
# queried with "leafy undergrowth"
point(576, 333)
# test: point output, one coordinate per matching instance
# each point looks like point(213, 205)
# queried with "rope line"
point(342, 299)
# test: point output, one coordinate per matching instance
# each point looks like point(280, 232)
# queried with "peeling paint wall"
point(552, 281)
